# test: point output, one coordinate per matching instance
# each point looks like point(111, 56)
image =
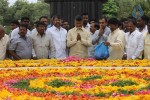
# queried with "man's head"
point(2, 32)
point(57, 21)
point(85, 18)
point(66, 25)
point(113, 24)
point(23, 30)
point(41, 27)
point(120, 25)
point(92, 21)
point(25, 21)
point(103, 22)
point(141, 21)
point(14, 24)
point(94, 27)
point(78, 21)
point(131, 25)
point(125, 23)
point(44, 19)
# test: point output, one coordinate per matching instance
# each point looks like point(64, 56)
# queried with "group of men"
point(129, 40)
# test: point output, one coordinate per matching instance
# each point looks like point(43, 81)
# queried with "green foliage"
point(58, 83)
point(22, 8)
point(91, 78)
point(126, 7)
point(69, 93)
point(110, 9)
point(123, 83)
point(24, 84)
point(147, 79)
point(100, 95)
point(126, 92)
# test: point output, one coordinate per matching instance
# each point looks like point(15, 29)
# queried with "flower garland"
point(76, 84)
point(74, 62)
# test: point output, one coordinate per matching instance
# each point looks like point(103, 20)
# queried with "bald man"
point(4, 39)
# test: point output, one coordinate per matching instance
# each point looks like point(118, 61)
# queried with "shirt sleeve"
point(119, 43)
point(32, 42)
point(70, 41)
point(140, 46)
point(88, 41)
point(52, 53)
point(99, 39)
point(96, 38)
point(12, 44)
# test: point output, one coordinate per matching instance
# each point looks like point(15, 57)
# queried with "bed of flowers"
point(75, 84)
point(74, 62)
point(71, 79)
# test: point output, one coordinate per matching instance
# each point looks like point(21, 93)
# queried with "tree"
point(22, 8)
point(110, 9)
point(126, 7)
point(3, 9)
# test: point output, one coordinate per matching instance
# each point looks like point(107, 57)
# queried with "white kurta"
point(144, 31)
point(117, 43)
point(43, 47)
point(3, 46)
point(147, 47)
point(134, 44)
point(59, 38)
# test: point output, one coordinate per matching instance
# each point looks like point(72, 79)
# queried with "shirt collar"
point(3, 37)
point(55, 28)
point(116, 30)
point(25, 38)
point(133, 33)
point(39, 33)
point(76, 29)
point(87, 25)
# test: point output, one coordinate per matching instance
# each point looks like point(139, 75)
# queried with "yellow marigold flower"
point(5, 94)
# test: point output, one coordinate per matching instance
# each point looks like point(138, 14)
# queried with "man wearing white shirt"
point(15, 32)
point(134, 41)
point(43, 19)
point(59, 35)
point(42, 43)
point(4, 39)
point(142, 27)
point(116, 40)
point(86, 25)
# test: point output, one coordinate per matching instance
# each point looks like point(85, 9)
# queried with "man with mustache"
point(58, 35)
point(21, 48)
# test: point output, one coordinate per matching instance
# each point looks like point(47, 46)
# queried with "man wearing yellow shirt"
point(78, 39)
point(147, 43)
point(116, 40)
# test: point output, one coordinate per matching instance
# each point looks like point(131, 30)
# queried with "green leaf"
point(91, 78)
point(24, 85)
point(126, 92)
point(58, 83)
point(100, 95)
point(122, 83)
